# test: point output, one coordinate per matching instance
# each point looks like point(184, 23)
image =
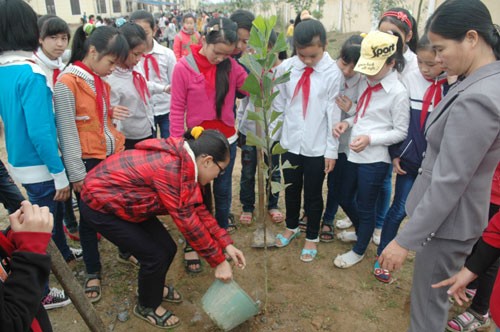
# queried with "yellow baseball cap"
point(376, 48)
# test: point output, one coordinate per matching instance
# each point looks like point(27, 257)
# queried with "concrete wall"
point(356, 13)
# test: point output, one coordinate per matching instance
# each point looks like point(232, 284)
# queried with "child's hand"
point(329, 165)
point(340, 128)
point(77, 186)
point(237, 256)
point(167, 88)
point(360, 143)
point(62, 195)
point(344, 103)
point(397, 166)
point(31, 218)
point(224, 272)
point(120, 112)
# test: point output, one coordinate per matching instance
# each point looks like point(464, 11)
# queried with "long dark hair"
point(106, 40)
point(403, 25)
point(453, 19)
point(221, 30)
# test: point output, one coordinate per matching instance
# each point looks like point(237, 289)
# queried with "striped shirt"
point(65, 111)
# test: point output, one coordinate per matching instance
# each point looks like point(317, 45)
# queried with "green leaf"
point(278, 149)
point(276, 187)
point(256, 40)
point(278, 126)
point(270, 61)
point(260, 24)
point(253, 140)
point(252, 64)
point(270, 99)
point(252, 85)
point(287, 165)
point(280, 44)
point(255, 116)
point(275, 115)
point(282, 79)
point(267, 83)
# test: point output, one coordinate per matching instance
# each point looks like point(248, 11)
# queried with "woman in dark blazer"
point(448, 205)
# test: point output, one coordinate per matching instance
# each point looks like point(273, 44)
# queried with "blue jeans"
point(346, 173)
point(223, 191)
point(370, 181)
point(10, 195)
point(397, 211)
point(247, 182)
point(384, 199)
point(163, 123)
point(43, 193)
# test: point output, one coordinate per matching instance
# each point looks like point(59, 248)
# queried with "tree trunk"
point(75, 292)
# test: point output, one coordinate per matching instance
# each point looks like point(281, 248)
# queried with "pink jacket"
point(182, 42)
point(190, 98)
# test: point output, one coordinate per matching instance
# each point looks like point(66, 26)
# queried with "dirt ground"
point(302, 297)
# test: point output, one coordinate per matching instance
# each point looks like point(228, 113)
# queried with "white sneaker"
point(346, 236)
point(347, 260)
point(343, 223)
point(376, 236)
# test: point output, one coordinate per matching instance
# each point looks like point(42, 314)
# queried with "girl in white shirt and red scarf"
point(307, 103)
point(381, 120)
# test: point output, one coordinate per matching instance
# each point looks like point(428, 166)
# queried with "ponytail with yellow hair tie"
point(196, 131)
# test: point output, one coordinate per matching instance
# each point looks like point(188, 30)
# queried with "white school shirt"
point(417, 85)
point(411, 63)
point(385, 121)
point(312, 136)
point(350, 90)
point(160, 101)
point(140, 121)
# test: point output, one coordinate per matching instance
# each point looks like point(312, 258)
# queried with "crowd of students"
point(138, 130)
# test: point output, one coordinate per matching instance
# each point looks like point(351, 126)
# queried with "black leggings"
point(148, 241)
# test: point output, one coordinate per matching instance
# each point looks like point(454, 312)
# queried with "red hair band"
point(400, 16)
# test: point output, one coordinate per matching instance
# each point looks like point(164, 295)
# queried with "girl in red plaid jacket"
point(123, 195)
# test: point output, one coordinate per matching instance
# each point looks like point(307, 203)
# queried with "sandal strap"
point(171, 293)
point(188, 249)
point(92, 289)
point(150, 312)
point(91, 276)
point(468, 318)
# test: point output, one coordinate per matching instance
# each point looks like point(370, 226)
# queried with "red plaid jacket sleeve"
point(183, 200)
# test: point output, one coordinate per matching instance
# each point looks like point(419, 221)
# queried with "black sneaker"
point(76, 255)
point(55, 299)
